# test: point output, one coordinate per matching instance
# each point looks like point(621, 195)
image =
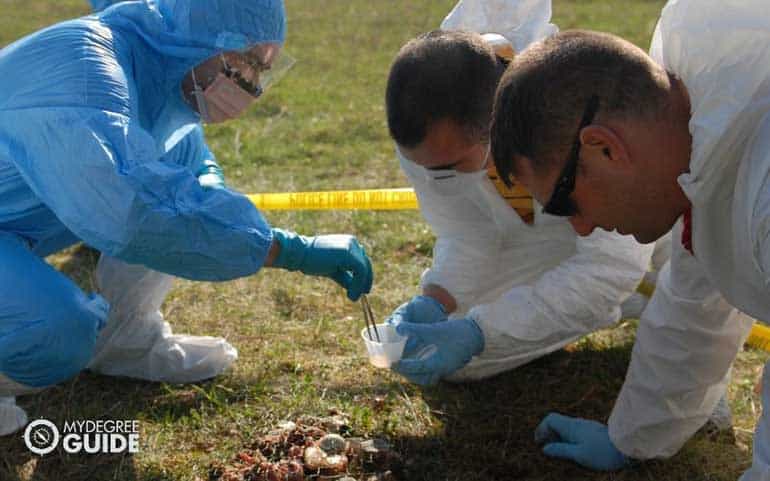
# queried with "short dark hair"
point(544, 91)
point(443, 74)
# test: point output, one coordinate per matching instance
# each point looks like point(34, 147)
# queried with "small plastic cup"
point(388, 350)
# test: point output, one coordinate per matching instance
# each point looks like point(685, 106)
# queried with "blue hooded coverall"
point(97, 145)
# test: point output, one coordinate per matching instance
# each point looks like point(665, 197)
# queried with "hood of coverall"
point(521, 23)
point(181, 34)
point(727, 82)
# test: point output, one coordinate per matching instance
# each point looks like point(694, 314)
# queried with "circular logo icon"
point(41, 436)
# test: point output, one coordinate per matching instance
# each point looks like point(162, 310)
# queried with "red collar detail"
point(687, 230)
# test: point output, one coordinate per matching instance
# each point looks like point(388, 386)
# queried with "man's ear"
point(603, 144)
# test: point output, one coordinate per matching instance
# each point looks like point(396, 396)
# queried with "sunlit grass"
point(323, 127)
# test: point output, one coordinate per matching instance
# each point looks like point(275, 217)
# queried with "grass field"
point(323, 127)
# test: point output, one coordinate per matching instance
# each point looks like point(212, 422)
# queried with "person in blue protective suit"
point(100, 142)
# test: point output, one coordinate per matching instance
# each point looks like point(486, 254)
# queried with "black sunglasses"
point(560, 203)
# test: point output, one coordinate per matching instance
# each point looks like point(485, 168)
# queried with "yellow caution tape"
point(374, 199)
point(759, 337)
point(645, 288)
point(398, 199)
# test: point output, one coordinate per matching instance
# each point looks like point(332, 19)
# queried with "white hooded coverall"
point(536, 288)
point(690, 333)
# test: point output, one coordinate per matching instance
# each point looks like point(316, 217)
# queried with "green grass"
point(323, 127)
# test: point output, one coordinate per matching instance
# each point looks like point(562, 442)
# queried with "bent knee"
point(472, 372)
point(54, 345)
point(481, 369)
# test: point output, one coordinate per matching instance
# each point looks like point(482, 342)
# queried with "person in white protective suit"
point(514, 284)
point(678, 139)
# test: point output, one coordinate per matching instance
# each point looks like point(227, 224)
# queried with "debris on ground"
point(311, 449)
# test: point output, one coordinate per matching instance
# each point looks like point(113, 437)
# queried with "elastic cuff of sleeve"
point(479, 337)
point(209, 167)
point(211, 181)
point(475, 316)
point(292, 249)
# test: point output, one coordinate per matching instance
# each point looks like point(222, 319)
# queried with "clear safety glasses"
point(260, 67)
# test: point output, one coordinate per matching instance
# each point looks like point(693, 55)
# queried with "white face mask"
point(444, 182)
point(471, 194)
point(224, 99)
point(449, 182)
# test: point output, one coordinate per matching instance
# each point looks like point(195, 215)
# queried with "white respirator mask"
point(443, 182)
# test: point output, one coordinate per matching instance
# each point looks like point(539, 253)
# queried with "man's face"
point(605, 196)
point(446, 146)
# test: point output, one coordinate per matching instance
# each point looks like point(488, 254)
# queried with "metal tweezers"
point(369, 318)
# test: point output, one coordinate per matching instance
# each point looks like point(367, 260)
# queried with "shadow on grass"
point(93, 397)
point(85, 397)
point(478, 431)
point(488, 426)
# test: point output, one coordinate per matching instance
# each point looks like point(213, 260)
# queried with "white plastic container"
point(388, 350)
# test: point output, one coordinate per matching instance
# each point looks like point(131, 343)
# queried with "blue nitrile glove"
point(210, 175)
point(419, 310)
point(338, 257)
point(580, 440)
point(454, 343)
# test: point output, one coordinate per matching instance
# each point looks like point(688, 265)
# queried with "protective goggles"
point(258, 68)
point(560, 203)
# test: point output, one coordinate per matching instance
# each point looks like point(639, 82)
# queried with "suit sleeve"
point(687, 339)
point(194, 153)
point(579, 295)
point(104, 179)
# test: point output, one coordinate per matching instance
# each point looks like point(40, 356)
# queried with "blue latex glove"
point(338, 257)
point(455, 341)
point(580, 440)
point(419, 310)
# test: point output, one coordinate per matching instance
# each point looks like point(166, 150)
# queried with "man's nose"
point(582, 226)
